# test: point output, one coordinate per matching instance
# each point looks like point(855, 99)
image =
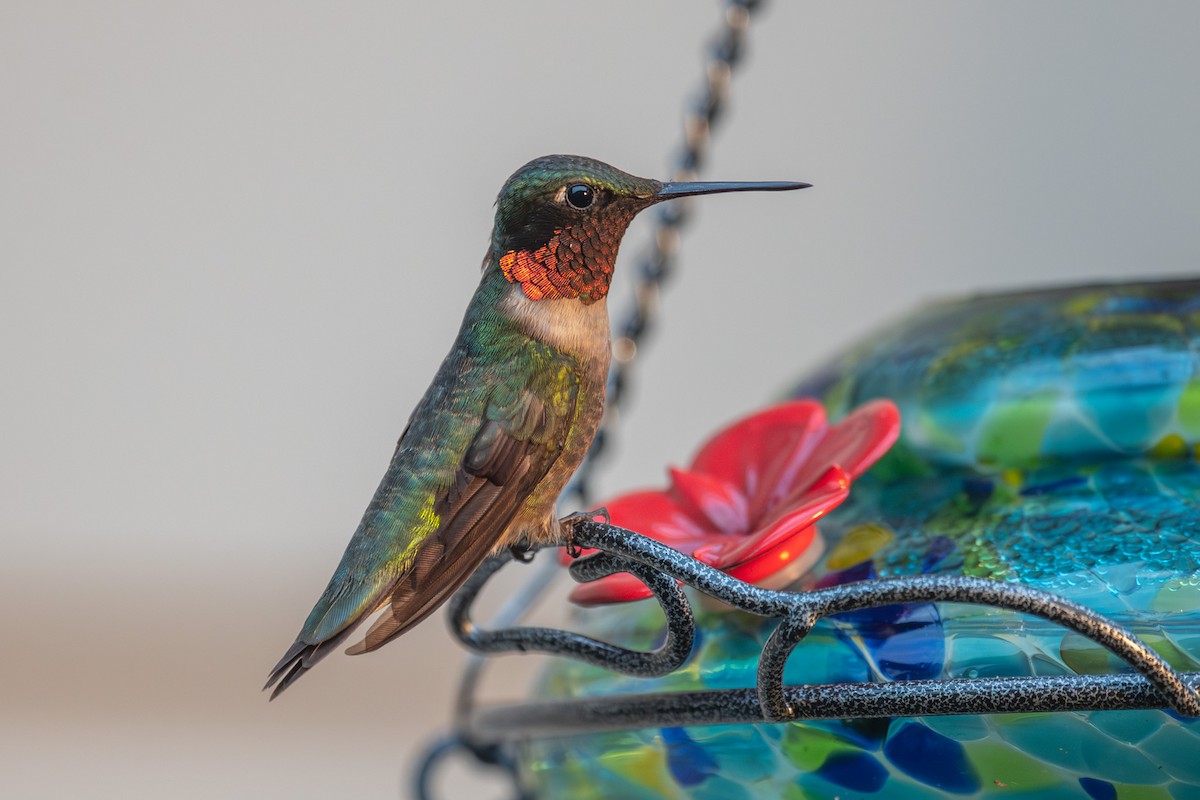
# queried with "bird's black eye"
point(580, 195)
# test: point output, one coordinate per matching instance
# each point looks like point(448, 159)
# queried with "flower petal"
point(712, 500)
point(748, 503)
point(638, 510)
point(659, 515)
point(739, 455)
point(654, 513)
point(805, 545)
point(855, 443)
point(791, 517)
point(619, 588)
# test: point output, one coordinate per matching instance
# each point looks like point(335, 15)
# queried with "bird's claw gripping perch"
point(569, 522)
point(521, 553)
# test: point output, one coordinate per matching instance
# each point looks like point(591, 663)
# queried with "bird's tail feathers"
point(300, 658)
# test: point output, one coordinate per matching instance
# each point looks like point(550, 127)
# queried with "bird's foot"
point(569, 522)
point(521, 553)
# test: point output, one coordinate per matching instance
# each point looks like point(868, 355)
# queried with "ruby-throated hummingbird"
point(510, 413)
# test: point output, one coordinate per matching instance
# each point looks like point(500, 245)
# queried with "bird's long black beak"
point(670, 191)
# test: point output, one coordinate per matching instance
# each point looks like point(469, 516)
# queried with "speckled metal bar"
point(675, 649)
point(828, 701)
point(1157, 684)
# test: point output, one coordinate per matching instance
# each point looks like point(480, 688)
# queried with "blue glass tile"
point(857, 771)
point(931, 758)
point(1098, 789)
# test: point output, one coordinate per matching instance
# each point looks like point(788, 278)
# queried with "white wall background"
point(236, 239)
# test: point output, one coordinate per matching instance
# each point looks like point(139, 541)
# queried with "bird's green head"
point(560, 220)
point(559, 223)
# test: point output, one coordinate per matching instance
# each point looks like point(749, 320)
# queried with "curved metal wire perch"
point(675, 649)
point(1156, 684)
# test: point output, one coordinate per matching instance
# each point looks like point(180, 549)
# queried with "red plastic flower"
point(748, 503)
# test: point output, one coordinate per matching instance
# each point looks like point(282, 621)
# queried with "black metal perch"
point(1156, 684)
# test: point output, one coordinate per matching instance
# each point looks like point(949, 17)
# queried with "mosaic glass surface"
point(1049, 438)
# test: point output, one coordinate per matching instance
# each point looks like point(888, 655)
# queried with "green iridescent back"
point(1049, 438)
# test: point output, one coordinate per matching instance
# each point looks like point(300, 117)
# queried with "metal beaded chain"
point(654, 267)
point(657, 264)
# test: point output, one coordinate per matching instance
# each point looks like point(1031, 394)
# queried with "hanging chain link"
point(657, 264)
point(654, 267)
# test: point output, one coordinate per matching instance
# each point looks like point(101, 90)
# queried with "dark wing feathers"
point(520, 438)
point(506, 460)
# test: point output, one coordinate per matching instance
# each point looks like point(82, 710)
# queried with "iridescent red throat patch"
point(575, 262)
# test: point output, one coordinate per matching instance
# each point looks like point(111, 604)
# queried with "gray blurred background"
point(236, 239)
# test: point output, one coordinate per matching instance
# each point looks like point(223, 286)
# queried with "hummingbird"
point(509, 415)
